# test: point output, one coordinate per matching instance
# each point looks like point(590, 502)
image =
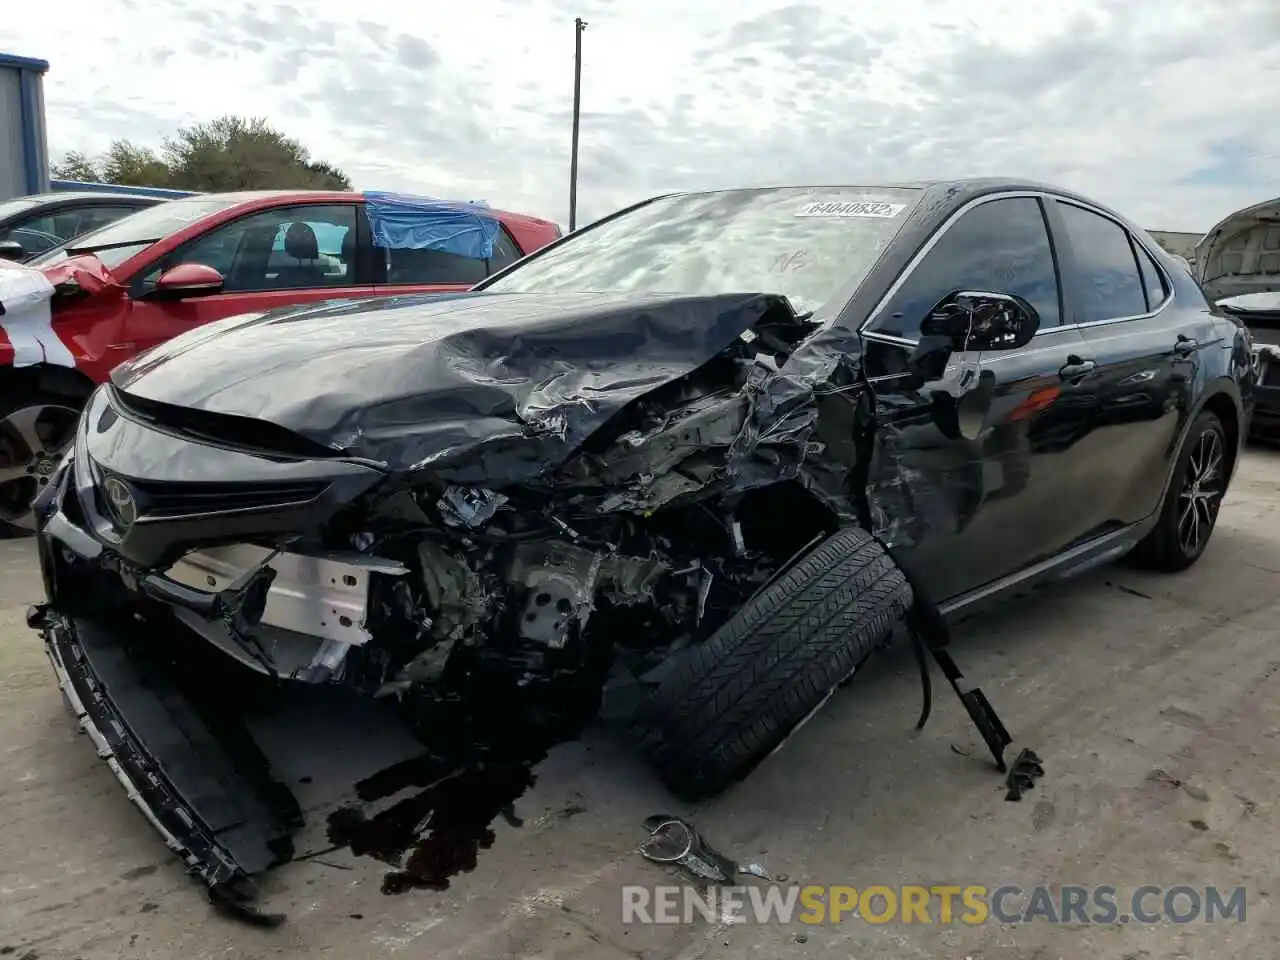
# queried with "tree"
point(135, 166)
point(76, 166)
point(230, 153)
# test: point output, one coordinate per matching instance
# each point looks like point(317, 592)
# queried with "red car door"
point(281, 256)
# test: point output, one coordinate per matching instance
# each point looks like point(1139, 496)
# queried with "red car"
point(157, 273)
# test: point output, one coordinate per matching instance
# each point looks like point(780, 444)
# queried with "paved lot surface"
point(1154, 701)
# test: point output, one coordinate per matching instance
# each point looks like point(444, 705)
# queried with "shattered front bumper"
point(162, 745)
point(157, 746)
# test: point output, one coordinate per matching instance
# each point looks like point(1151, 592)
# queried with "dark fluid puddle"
point(480, 760)
point(437, 833)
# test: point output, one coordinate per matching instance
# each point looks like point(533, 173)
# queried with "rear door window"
point(1109, 284)
point(422, 267)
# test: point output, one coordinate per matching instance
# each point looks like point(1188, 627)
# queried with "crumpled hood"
point(1241, 255)
point(416, 381)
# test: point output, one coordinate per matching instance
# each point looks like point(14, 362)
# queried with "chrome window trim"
point(924, 251)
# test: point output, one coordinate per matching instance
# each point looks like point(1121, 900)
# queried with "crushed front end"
point(253, 558)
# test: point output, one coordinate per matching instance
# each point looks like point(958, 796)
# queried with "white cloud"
point(1161, 110)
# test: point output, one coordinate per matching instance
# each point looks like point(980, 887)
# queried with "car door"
point(281, 256)
point(1141, 354)
point(973, 481)
point(438, 271)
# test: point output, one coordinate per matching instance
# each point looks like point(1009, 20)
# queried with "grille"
point(180, 499)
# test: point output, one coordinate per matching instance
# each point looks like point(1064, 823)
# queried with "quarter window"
point(1152, 278)
point(1001, 246)
point(1109, 282)
point(437, 266)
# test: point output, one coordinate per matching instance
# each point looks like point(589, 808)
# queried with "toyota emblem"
point(120, 498)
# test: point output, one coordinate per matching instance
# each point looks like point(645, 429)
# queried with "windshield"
point(118, 241)
point(11, 207)
point(806, 243)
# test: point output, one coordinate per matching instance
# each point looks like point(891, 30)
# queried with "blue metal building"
point(24, 150)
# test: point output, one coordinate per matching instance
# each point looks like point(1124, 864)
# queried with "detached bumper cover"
point(143, 780)
point(164, 755)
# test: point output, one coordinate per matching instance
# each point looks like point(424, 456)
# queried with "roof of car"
point(265, 197)
point(76, 195)
point(942, 196)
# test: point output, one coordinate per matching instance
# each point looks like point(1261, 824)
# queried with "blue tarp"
point(401, 222)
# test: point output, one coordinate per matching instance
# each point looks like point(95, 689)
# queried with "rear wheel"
point(736, 698)
point(36, 428)
point(1190, 509)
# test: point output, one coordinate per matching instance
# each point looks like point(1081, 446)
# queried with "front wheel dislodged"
point(735, 698)
point(1190, 509)
point(36, 428)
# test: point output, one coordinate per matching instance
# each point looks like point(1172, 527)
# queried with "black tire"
point(734, 699)
point(1167, 547)
point(36, 426)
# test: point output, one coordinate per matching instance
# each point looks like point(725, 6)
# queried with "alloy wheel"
point(1203, 485)
point(32, 441)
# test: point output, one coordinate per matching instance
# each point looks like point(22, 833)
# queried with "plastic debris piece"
point(675, 841)
point(1023, 774)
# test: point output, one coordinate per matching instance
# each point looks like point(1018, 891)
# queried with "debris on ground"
point(1026, 770)
point(672, 840)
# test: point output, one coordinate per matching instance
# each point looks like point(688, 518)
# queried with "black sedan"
point(31, 225)
point(713, 450)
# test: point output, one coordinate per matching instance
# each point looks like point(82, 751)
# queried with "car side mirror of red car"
point(188, 280)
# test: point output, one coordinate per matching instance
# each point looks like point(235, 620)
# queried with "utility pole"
point(578, 26)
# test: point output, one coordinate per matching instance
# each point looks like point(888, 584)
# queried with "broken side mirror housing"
point(188, 280)
point(979, 320)
point(12, 250)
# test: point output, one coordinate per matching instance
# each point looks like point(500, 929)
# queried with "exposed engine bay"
point(622, 556)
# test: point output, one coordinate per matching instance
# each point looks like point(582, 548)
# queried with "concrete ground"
point(1154, 702)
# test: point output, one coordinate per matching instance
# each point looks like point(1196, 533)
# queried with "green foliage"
point(229, 153)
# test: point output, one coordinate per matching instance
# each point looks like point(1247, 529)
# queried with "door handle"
point(1075, 368)
point(1185, 345)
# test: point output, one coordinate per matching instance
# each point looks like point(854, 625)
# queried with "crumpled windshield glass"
point(806, 243)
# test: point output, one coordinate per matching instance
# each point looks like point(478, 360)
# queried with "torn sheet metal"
point(481, 389)
point(399, 221)
point(26, 317)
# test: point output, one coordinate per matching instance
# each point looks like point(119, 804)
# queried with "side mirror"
point(12, 250)
point(188, 280)
point(977, 320)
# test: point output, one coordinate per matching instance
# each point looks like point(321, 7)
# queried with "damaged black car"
point(693, 464)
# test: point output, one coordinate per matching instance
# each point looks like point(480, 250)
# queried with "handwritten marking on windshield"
point(785, 262)
point(851, 208)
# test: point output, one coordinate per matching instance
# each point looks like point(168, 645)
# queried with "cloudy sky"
point(1166, 110)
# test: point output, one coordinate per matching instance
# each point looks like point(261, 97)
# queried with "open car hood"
point(1241, 255)
point(418, 381)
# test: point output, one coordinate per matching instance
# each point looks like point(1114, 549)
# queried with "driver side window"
point(287, 248)
point(1001, 246)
